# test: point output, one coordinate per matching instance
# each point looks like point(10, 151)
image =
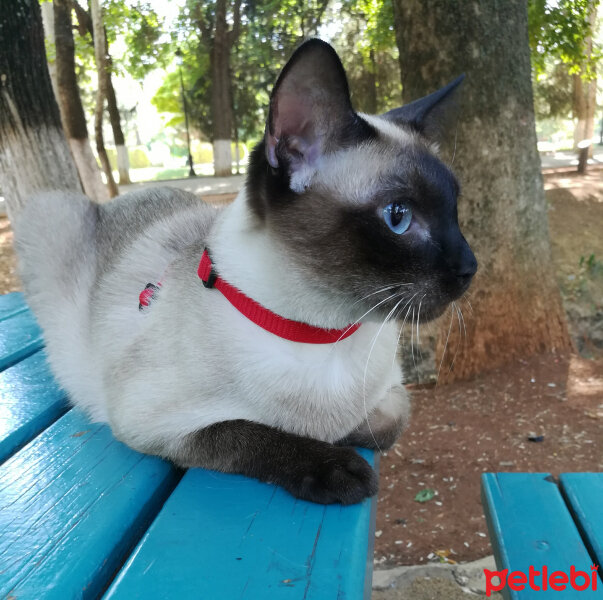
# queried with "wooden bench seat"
point(535, 521)
point(83, 516)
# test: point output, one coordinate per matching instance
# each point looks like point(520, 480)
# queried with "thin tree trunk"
point(70, 104)
point(221, 101)
point(585, 98)
point(101, 93)
point(584, 107)
point(123, 161)
point(48, 24)
point(373, 101)
point(516, 305)
point(34, 154)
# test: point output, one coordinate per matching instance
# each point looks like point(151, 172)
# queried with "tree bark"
point(70, 104)
point(584, 88)
point(221, 101)
point(47, 9)
point(584, 107)
point(123, 161)
point(101, 93)
point(34, 154)
point(220, 40)
point(516, 305)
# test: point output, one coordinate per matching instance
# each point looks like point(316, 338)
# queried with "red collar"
point(266, 319)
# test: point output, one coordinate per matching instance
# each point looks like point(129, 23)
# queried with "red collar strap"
point(266, 319)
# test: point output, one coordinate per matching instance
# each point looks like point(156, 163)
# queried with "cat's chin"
point(432, 313)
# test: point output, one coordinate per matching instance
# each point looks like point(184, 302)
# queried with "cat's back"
point(122, 222)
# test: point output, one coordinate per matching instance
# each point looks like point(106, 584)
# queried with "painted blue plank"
point(227, 536)
point(11, 304)
point(530, 524)
point(72, 504)
point(584, 494)
point(31, 400)
point(20, 336)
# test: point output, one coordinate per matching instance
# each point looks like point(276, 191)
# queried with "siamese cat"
point(261, 338)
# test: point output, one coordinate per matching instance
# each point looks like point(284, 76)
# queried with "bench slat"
point(529, 524)
point(11, 304)
point(584, 493)
point(228, 536)
point(31, 400)
point(20, 336)
point(72, 504)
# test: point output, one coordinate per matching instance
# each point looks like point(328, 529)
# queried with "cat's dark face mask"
point(360, 203)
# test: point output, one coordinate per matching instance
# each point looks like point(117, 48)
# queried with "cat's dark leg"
point(307, 468)
point(385, 423)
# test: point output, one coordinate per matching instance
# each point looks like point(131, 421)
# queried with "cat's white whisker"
point(456, 350)
point(374, 341)
point(364, 315)
point(445, 345)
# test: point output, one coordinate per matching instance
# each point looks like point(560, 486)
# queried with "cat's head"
point(361, 203)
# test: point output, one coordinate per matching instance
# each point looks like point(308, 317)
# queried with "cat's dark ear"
point(430, 115)
point(309, 107)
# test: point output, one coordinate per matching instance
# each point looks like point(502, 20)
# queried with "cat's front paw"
point(339, 475)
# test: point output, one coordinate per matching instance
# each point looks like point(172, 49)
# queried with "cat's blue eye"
point(397, 216)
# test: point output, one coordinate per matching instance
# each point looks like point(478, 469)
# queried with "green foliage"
point(138, 156)
point(270, 31)
point(367, 46)
point(553, 91)
point(560, 30)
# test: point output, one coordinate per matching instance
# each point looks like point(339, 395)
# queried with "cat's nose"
point(468, 267)
point(462, 264)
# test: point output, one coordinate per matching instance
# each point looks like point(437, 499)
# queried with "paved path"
point(198, 185)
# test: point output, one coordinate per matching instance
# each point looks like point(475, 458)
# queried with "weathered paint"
point(226, 536)
point(72, 503)
point(20, 336)
point(31, 400)
point(11, 304)
point(584, 494)
point(530, 524)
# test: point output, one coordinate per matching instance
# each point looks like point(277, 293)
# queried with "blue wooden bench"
point(533, 520)
point(83, 516)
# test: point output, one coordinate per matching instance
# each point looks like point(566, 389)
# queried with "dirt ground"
point(462, 430)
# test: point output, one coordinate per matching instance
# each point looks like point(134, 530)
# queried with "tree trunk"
point(221, 102)
point(48, 25)
point(584, 87)
point(373, 101)
point(584, 107)
point(123, 162)
point(101, 93)
point(516, 305)
point(70, 104)
point(34, 154)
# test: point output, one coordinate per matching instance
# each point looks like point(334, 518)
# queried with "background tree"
point(366, 44)
point(70, 103)
point(269, 33)
point(86, 29)
point(101, 92)
point(517, 308)
point(34, 154)
point(219, 37)
point(561, 33)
